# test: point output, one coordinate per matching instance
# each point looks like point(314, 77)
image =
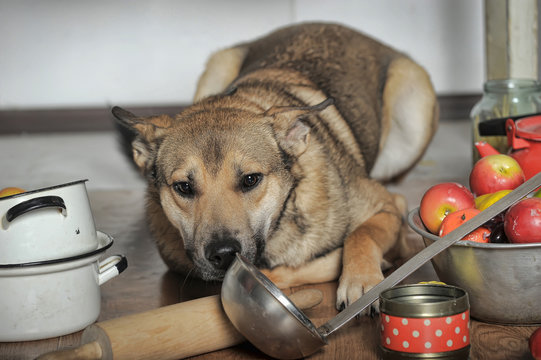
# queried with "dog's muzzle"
point(221, 253)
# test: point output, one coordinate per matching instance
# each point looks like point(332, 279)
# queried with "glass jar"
point(501, 99)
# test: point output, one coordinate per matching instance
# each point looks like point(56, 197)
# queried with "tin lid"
point(424, 300)
point(529, 128)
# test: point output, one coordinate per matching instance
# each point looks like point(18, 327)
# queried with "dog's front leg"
point(321, 269)
point(363, 255)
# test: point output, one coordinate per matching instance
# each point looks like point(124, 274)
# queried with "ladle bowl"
point(253, 302)
point(272, 323)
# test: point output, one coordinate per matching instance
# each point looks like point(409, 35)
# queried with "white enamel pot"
point(46, 224)
point(56, 297)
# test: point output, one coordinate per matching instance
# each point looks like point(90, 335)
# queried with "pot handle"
point(111, 267)
point(35, 204)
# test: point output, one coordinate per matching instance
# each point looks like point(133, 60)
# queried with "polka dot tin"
point(425, 321)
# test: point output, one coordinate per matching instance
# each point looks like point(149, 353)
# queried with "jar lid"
point(424, 300)
point(529, 127)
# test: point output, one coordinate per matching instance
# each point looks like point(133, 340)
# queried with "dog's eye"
point(183, 188)
point(250, 181)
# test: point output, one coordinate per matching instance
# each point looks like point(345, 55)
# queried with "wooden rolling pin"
point(171, 332)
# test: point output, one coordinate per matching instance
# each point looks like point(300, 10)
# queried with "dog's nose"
point(222, 253)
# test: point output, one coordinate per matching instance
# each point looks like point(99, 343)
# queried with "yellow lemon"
point(481, 199)
point(10, 191)
point(484, 201)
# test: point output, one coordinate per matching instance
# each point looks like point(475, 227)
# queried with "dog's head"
point(221, 175)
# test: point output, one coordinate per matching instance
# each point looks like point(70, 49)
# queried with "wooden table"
point(147, 284)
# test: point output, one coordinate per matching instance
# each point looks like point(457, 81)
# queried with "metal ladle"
point(272, 323)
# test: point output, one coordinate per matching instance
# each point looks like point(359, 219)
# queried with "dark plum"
point(497, 235)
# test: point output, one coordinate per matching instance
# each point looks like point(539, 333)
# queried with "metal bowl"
point(503, 280)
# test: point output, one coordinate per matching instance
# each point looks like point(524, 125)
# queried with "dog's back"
point(334, 58)
point(337, 59)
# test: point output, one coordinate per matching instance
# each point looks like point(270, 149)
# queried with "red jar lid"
point(529, 127)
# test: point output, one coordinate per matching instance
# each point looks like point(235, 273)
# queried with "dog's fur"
point(276, 158)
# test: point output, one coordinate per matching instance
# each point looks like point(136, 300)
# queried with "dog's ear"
point(145, 131)
point(292, 132)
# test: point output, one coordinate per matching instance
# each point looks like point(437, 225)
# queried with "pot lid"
point(529, 128)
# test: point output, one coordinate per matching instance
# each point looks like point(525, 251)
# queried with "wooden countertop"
point(147, 284)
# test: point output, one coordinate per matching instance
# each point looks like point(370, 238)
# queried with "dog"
point(282, 158)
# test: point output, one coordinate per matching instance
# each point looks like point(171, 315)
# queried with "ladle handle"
point(428, 253)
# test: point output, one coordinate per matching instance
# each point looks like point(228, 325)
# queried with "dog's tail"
point(221, 69)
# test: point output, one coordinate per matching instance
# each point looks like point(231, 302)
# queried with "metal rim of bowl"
point(466, 243)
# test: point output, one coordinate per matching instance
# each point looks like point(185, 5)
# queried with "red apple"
point(494, 173)
point(442, 199)
point(535, 344)
point(522, 223)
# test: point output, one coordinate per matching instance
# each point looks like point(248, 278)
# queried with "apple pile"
point(448, 205)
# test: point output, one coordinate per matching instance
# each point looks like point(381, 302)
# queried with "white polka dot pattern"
point(425, 335)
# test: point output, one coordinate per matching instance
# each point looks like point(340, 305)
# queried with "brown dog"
point(275, 158)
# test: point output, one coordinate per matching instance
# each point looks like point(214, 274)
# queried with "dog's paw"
point(352, 286)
